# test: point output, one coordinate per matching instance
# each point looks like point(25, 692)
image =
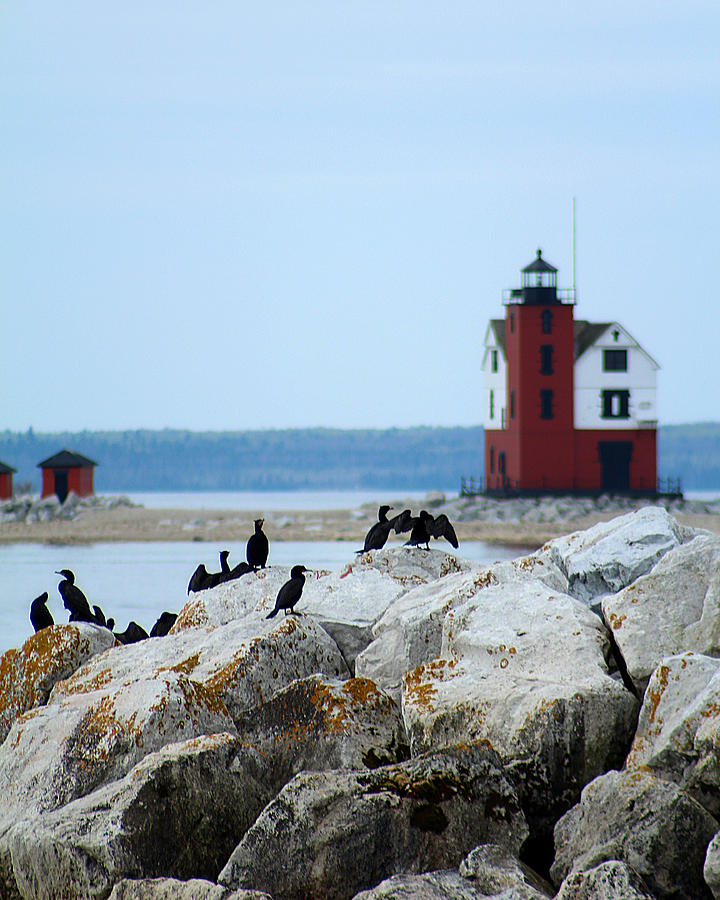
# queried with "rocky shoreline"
point(523, 523)
point(426, 727)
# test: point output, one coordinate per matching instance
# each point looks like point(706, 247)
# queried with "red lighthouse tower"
point(570, 404)
point(536, 449)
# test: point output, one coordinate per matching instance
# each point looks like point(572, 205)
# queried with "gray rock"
point(650, 824)
point(611, 555)
point(678, 603)
point(443, 885)
point(678, 729)
point(524, 668)
point(318, 723)
point(178, 813)
point(494, 871)
point(28, 673)
point(345, 831)
point(611, 880)
point(711, 869)
point(174, 889)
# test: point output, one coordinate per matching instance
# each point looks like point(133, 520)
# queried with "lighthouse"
point(570, 405)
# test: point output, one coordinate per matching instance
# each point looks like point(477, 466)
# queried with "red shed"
point(6, 485)
point(67, 471)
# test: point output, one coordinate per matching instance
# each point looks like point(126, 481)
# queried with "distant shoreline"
point(139, 524)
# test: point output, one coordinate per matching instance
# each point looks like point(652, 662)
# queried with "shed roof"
point(5, 469)
point(66, 459)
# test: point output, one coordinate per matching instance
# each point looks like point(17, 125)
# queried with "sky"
point(232, 215)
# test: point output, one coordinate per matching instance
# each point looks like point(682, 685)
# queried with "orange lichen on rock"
point(420, 689)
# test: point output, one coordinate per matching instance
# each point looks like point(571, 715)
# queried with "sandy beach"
point(222, 525)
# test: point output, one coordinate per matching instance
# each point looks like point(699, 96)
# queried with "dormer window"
point(493, 360)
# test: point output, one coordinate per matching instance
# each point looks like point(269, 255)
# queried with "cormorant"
point(132, 634)
point(426, 526)
point(201, 579)
point(224, 567)
point(40, 615)
point(73, 598)
point(164, 623)
point(378, 534)
point(99, 616)
point(290, 592)
point(110, 624)
point(257, 549)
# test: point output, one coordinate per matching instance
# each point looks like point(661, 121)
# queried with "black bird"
point(99, 616)
point(224, 567)
point(73, 598)
point(290, 592)
point(377, 536)
point(132, 634)
point(110, 624)
point(40, 615)
point(426, 526)
point(257, 548)
point(201, 579)
point(164, 623)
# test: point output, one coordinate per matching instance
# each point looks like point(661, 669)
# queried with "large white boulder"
point(678, 730)
point(673, 608)
point(525, 669)
point(611, 555)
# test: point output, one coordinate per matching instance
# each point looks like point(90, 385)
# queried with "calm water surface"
point(140, 580)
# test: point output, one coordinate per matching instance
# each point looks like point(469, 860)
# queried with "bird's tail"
point(272, 614)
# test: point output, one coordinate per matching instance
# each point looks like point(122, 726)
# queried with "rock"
point(241, 664)
point(80, 741)
point(611, 880)
point(494, 870)
point(711, 869)
point(28, 673)
point(650, 824)
point(410, 631)
point(524, 668)
point(346, 831)
point(443, 885)
point(611, 555)
point(318, 723)
point(173, 889)
point(178, 813)
point(678, 603)
point(678, 729)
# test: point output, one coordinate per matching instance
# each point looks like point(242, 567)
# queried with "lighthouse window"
point(493, 360)
point(512, 404)
point(546, 404)
point(546, 359)
point(546, 317)
point(616, 404)
point(492, 459)
point(614, 360)
point(492, 404)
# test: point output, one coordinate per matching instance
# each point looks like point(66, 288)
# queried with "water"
point(140, 580)
point(263, 501)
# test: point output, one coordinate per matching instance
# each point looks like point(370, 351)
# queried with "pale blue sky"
point(235, 215)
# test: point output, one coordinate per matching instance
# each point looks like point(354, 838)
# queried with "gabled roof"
point(586, 333)
point(5, 469)
point(498, 327)
point(66, 459)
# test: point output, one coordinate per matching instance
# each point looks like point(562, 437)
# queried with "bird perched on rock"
point(378, 534)
point(290, 592)
point(164, 623)
point(40, 615)
point(257, 549)
point(132, 634)
point(425, 526)
point(201, 579)
point(99, 617)
point(73, 598)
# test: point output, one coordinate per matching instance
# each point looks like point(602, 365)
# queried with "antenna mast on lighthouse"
point(574, 255)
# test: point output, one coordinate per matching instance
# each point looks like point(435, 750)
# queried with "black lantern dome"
point(539, 282)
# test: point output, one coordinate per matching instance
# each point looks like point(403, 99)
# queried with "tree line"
point(421, 458)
